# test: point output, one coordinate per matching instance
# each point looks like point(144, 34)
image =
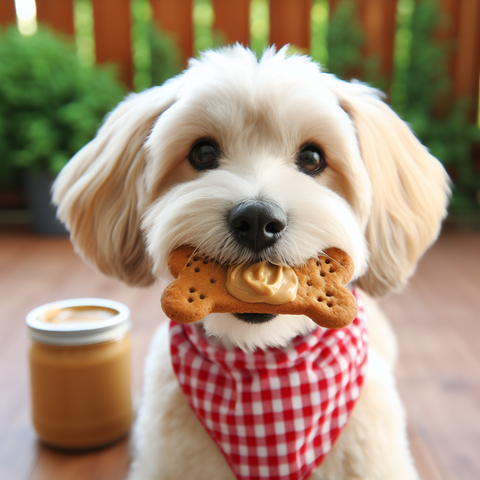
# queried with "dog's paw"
point(200, 289)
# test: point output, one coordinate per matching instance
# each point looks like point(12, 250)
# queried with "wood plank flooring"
point(436, 320)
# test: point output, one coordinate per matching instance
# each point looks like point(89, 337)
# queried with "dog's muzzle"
point(257, 224)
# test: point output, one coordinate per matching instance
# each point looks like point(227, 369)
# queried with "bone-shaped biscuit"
point(199, 289)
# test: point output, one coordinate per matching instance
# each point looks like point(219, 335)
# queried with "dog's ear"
point(99, 192)
point(410, 188)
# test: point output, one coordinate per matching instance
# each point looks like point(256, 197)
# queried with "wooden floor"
point(436, 319)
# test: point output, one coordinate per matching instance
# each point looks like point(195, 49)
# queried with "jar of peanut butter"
point(80, 372)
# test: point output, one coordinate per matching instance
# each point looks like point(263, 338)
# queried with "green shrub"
point(345, 39)
point(50, 105)
point(156, 55)
point(419, 87)
point(165, 55)
point(448, 132)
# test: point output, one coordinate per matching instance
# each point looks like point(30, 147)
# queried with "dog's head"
point(249, 160)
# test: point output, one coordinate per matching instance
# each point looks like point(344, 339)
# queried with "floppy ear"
point(410, 188)
point(99, 192)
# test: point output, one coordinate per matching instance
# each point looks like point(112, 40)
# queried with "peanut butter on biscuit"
point(262, 283)
point(200, 288)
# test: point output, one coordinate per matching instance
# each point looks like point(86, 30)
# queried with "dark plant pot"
point(39, 201)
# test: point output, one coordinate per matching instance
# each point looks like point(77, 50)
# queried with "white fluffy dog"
point(171, 164)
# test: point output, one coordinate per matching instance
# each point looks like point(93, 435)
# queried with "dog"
point(313, 162)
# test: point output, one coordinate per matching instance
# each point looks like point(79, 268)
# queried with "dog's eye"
point(311, 160)
point(204, 155)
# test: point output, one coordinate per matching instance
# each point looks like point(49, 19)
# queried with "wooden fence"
point(289, 23)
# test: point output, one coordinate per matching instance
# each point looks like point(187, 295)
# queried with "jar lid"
point(71, 333)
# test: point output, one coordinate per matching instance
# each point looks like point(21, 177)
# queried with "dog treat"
point(200, 289)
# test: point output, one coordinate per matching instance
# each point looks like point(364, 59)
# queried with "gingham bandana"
point(276, 413)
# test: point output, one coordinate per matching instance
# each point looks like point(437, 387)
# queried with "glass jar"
point(80, 372)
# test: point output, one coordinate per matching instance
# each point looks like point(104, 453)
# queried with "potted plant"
point(50, 107)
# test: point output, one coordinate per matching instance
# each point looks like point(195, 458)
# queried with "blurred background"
point(65, 63)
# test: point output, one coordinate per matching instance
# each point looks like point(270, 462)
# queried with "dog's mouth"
point(254, 317)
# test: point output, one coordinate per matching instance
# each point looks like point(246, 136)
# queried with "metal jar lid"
point(70, 334)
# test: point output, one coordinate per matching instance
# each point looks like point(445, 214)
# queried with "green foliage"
point(165, 55)
point(422, 72)
point(50, 105)
point(156, 55)
point(345, 39)
point(425, 86)
point(205, 36)
point(420, 86)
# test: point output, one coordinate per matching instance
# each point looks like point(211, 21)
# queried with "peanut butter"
point(80, 373)
point(262, 283)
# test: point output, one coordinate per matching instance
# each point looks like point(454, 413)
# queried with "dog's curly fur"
point(131, 196)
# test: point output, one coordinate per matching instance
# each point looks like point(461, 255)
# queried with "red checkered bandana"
point(274, 414)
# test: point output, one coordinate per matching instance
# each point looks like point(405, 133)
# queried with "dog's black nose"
point(257, 224)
